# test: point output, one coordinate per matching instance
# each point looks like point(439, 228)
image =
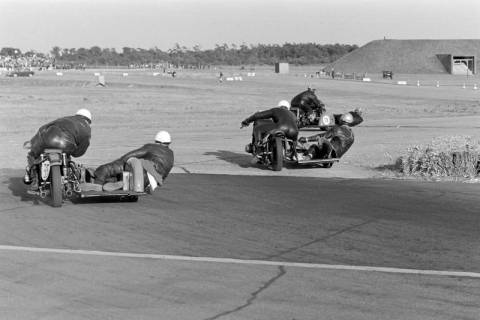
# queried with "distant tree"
point(56, 52)
point(301, 53)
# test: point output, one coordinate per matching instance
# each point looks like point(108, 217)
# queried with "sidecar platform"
point(117, 195)
point(110, 194)
point(318, 161)
point(314, 162)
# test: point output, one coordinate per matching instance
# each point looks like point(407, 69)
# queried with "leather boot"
point(34, 179)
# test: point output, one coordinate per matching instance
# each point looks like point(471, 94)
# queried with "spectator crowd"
point(26, 62)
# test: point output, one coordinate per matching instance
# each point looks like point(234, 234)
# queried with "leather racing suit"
point(71, 134)
point(281, 118)
point(336, 141)
point(157, 159)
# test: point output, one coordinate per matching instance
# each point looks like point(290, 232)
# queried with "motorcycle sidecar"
point(133, 185)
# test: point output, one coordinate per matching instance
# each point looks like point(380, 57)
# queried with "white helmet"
point(347, 118)
point(284, 103)
point(85, 113)
point(163, 137)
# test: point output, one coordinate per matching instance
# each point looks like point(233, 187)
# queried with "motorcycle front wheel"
point(56, 187)
point(277, 154)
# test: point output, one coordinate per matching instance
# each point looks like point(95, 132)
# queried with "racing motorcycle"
point(57, 175)
point(309, 110)
point(316, 119)
point(329, 142)
point(271, 149)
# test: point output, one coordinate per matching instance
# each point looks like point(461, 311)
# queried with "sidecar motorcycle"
point(274, 149)
point(60, 178)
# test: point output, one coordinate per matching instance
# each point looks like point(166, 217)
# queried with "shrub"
point(455, 156)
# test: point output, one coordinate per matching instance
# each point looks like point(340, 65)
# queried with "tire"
point(327, 165)
point(132, 199)
point(277, 154)
point(56, 187)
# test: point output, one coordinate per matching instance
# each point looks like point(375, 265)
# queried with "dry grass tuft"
point(454, 156)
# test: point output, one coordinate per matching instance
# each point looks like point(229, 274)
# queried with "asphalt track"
point(266, 247)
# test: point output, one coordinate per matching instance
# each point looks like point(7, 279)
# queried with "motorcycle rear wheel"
point(56, 187)
point(277, 154)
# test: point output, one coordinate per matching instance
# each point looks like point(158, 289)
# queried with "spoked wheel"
point(56, 187)
point(277, 154)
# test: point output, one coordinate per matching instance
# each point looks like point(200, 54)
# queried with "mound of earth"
point(404, 56)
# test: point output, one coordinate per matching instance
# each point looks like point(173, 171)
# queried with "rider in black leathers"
point(281, 118)
point(337, 140)
point(308, 102)
point(70, 134)
point(156, 158)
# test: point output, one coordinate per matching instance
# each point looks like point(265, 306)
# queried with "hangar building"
point(412, 56)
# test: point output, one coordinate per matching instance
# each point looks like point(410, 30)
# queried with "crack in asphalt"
point(281, 253)
point(253, 295)
point(184, 169)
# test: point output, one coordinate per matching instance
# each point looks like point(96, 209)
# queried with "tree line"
point(224, 54)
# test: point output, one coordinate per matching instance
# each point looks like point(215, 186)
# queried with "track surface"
point(379, 223)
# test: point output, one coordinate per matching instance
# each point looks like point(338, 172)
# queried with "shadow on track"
point(241, 159)
point(19, 189)
point(245, 161)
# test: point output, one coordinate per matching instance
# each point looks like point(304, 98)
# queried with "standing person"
point(156, 158)
point(70, 134)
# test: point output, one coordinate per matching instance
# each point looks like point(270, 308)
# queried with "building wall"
point(281, 67)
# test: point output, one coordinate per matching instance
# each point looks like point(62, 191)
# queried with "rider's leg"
point(32, 172)
point(260, 130)
point(109, 171)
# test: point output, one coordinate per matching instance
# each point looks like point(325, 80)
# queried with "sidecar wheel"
point(56, 187)
point(327, 165)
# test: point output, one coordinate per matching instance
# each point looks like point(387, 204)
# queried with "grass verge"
point(444, 158)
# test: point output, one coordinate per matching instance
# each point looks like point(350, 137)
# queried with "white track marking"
point(249, 262)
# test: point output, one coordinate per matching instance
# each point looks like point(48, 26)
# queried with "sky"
point(42, 24)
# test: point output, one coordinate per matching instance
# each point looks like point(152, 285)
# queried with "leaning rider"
point(70, 134)
point(156, 158)
point(281, 118)
point(336, 141)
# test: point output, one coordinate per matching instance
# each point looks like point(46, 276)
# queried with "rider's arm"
point(267, 114)
point(137, 153)
point(81, 148)
point(357, 117)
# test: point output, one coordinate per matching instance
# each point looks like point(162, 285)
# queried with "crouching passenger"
point(336, 141)
point(156, 159)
